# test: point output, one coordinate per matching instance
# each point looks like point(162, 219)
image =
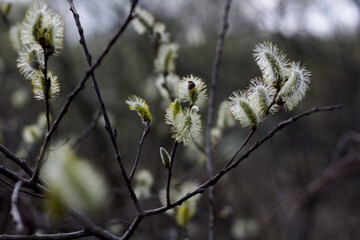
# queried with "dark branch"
point(20, 162)
point(56, 236)
point(145, 132)
point(133, 227)
point(90, 72)
point(170, 173)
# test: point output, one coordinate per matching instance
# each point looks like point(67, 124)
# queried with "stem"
point(133, 227)
point(210, 116)
point(170, 173)
point(253, 130)
point(90, 72)
point(55, 236)
point(145, 132)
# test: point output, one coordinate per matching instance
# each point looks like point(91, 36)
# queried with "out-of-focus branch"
point(14, 208)
point(210, 116)
point(55, 236)
point(300, 225)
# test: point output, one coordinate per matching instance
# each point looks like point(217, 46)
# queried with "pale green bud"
point(139, 105)
point(165, 157)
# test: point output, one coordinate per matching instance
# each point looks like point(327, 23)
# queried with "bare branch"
point(22, 190)
point(170, 173)
point(56, 236)
point(20, 162)
point(253, 130)
point(211, 108)
point(145, 132)
point(90, 72)
point(133, 227)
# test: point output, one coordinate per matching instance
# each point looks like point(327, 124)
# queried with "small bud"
point(5, 8)
point(195, 109)
point(139, 105)
point(191, 89)
point(165, 157)
point(191, 85)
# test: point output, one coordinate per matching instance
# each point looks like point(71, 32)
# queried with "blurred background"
point(265, 197)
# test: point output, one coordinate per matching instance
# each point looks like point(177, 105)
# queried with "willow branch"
point(253, 130)
point(212, 181)
point(133, 227)
point(170, 173)
point(145, 132)
point(112, 132)
point(210, 116)
point(22, 190)
point(18, 161)
point(56, 236)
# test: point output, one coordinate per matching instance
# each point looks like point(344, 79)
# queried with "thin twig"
point(210, 116)
point(22, 190)
point(108, 127)
point(55, 236)
point(14, 212)
point(212, 181)
point(80, 86)
point(253, 130)
point(16, 178)
point(133, 227)
point(90, 226)
point(87, 130)
point(170, 173)
point(145, 132)
point(18, 161)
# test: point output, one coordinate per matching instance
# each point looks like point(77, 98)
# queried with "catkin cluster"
point(39, 36)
